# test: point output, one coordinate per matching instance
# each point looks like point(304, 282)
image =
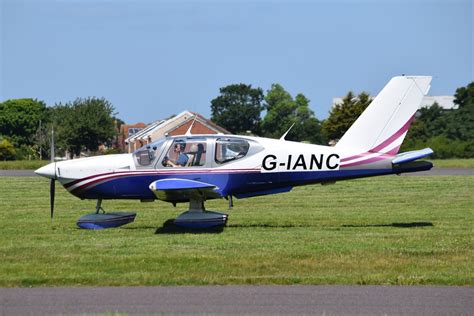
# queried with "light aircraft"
point(227, 166)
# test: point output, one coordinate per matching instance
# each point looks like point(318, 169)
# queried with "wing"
point(183, 190)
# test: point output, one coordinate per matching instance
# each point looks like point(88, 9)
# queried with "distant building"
point(126, 131)
point(444, 101)
point(176, 125)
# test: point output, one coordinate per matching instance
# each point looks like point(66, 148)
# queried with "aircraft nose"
point(48, 171)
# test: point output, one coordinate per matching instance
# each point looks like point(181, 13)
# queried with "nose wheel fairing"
point(106, 220)
point(102, 220)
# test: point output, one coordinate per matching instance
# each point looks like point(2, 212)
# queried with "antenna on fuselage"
point(284, 135)
point(188, 132)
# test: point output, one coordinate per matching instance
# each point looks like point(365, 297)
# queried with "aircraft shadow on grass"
point(263, 225)
point(170, 228)
point(398, 225)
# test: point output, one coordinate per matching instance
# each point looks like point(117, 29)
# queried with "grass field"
point(22, 164)
point(386, 230)
point(35, 164)
point(453, 163)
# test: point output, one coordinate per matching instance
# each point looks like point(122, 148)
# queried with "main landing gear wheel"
point(101, 220)
point(198, 217)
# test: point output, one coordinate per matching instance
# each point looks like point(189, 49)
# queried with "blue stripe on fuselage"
point(137, 186)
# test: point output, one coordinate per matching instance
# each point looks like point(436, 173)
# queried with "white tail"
point(384, 124)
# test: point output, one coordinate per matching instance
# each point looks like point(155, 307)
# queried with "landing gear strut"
point(98, 207)
point(231, 202)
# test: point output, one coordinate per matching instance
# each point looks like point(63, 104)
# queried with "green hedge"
point(443, 147)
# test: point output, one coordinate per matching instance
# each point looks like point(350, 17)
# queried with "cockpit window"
point(229, 149)
point(189, 152)
point(146, 155)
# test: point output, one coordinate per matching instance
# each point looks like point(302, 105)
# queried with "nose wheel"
point(198, 217)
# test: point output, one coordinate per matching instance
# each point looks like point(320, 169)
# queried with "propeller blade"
point(52, 189)
point(52, 184)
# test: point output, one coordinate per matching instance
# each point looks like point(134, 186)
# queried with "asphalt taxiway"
point(329, 300)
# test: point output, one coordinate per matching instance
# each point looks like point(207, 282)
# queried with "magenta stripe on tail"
point(385, 143)
point(395, 136)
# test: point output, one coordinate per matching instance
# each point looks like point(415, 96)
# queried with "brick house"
point(126, 131)
point(176, 125)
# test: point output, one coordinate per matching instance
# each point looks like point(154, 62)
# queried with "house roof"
point(147, 131)
point(213, 125)
point(141, 133)
point(198, 117)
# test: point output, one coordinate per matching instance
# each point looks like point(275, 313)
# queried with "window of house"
point(133, 131)
point(229, 149)
point(186, 153)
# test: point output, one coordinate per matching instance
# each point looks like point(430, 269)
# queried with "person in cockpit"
point(182, 159)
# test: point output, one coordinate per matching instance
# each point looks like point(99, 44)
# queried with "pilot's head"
point(179, 146)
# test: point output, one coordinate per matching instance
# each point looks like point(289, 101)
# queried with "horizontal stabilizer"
point(183, 190)
point(412, 155)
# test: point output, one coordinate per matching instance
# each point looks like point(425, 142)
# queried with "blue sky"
point(152, 59)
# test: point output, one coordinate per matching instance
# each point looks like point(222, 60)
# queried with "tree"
point(283, 111)
point(464, 96)
point(343, 115)
point(7, 151)
point(280, 112)
point(460, 122)
point(429, 122)
point(307, 127)
point(433, 119)
point(238, 108)
point(20, 118)
point(450, 133)
point(84, 124)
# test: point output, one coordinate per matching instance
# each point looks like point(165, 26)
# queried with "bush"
point(112, 151)
point(25, 152)
point(443, 147)
point(7, 151)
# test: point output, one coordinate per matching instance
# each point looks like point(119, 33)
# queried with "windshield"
point(146, 155)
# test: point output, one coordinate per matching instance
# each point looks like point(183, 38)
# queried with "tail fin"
point(384, 124)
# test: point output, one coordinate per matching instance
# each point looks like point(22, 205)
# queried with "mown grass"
point(453, 163)
point(387, 230)
point(22, 164)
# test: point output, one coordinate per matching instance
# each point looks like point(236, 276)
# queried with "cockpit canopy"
point(194, 151)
